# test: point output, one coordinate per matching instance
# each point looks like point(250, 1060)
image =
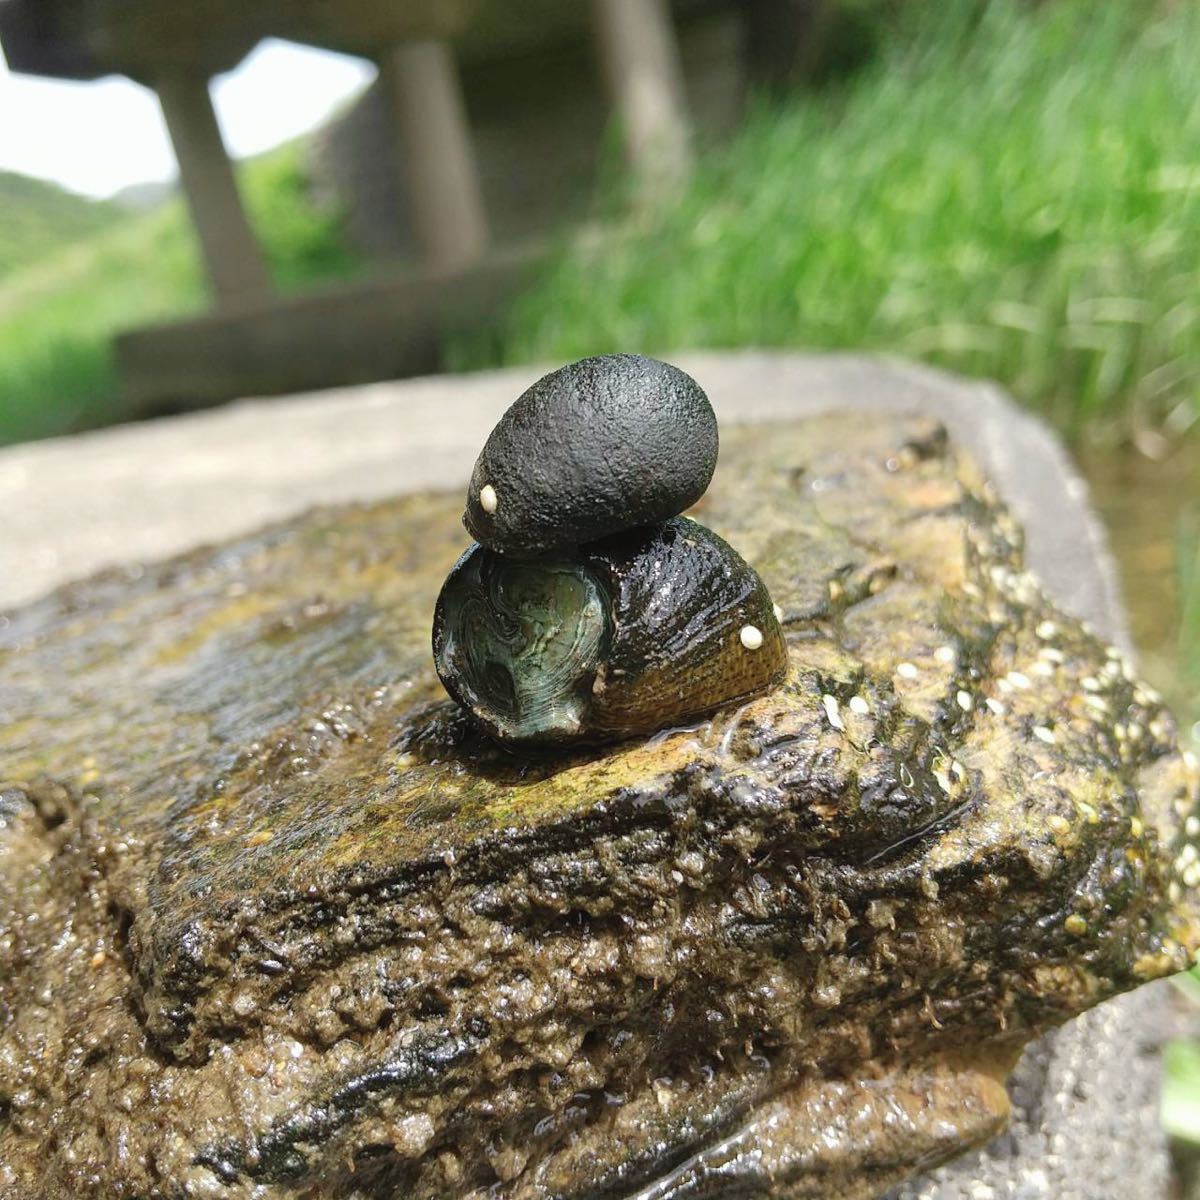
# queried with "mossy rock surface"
point(277, 921)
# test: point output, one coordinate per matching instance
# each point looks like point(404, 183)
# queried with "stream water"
point(1148, 507)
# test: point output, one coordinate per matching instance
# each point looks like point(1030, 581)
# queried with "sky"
point(97, 138)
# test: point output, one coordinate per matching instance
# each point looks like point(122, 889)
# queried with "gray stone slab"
point(72, 505)
point(1085, 1125)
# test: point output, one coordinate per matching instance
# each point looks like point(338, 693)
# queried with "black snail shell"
point(597, 446)
point(640, 631)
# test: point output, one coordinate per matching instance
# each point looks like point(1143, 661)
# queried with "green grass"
point(57, 319)
point(1187, 564)
point(1013, 191)
point(39, 217)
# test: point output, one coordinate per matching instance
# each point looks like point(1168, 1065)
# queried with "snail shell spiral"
point(627, 635)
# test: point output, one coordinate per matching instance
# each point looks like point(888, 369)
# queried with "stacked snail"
point(588, 609)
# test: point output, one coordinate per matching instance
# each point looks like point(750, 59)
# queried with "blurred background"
point(217, 200)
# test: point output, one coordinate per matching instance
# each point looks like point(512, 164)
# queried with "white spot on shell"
point(488, 500)
point(1017, 679)
point(832, 711)
point(906, 670)
point(1046, 630)
point(777, 611)
point(995, 706)
point(944, 654)
point(1042, 733)
point(751, 637)
point(858, 704)
point(965, 701)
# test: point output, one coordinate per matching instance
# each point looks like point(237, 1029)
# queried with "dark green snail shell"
point(627, 636)
point(598, 446)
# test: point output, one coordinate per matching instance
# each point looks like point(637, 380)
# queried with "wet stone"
point(277, 920)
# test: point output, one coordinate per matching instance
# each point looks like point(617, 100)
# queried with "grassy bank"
point(1013, 195)
point(57, 318)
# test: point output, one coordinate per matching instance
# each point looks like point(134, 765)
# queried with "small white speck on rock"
point(488, 500)
point(751, 637)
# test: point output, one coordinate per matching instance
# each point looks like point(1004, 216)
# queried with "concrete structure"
point(1085, 1122)
point(176, 49)
point(236, 269)
point(254, 340)
point(641, 62)
point(538, 122)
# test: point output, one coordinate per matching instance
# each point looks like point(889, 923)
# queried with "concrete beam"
point(235, 265)
point(639, 56)
point(377, 328)
point(439, 160)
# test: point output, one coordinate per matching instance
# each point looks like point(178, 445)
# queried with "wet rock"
point(278, 921)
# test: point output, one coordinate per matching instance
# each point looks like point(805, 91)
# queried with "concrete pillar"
point(435, 144)
point(232, 257)
point(640, 59)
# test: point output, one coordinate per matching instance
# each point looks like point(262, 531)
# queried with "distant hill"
point(37, 217)
point(143, 196)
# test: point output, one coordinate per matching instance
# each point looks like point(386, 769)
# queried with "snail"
point(647, 628)
point(593, 448)
point(589, 610)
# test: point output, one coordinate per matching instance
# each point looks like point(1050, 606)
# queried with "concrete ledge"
point(141, 491)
